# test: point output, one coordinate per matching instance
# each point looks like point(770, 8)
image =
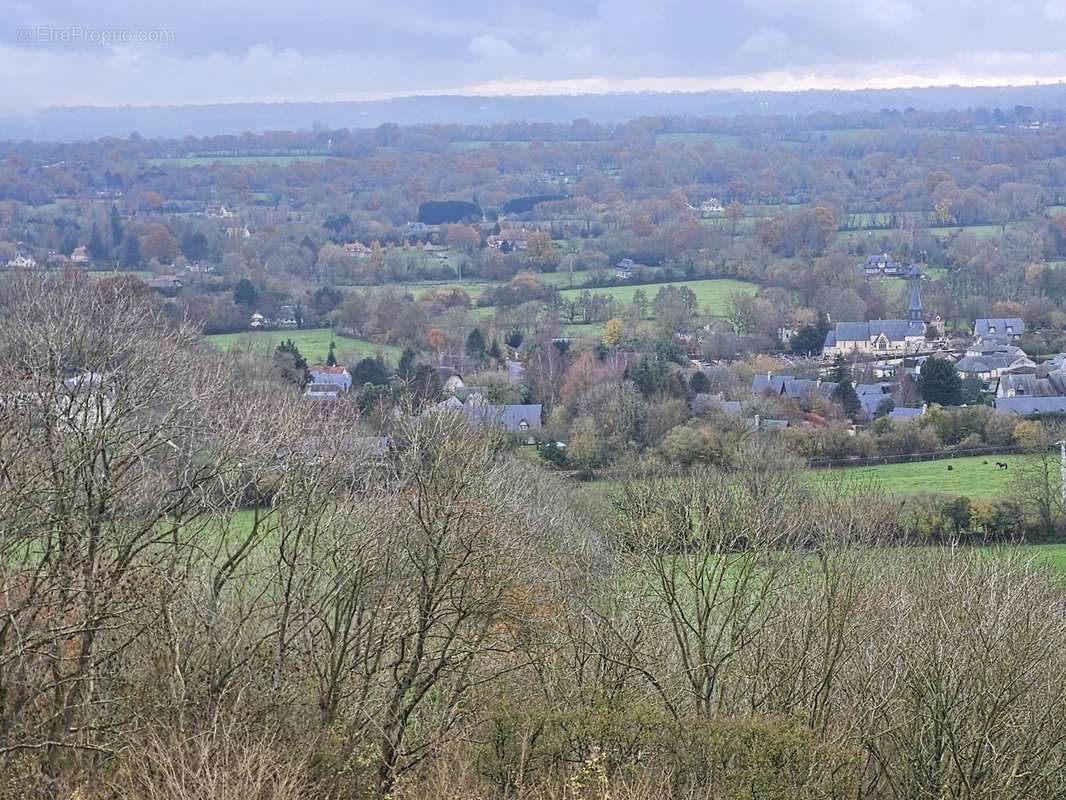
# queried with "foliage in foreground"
point(450, 622)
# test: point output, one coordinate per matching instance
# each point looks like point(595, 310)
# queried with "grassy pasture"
point(969, 476)
point(712, 293)
point(975, 230)
point(313, 344)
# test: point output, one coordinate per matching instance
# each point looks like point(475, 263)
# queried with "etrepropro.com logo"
point(79, 34)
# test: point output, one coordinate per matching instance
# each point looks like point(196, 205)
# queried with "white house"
point(331, 376)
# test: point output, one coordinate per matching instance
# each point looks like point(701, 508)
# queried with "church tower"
point(914, 313)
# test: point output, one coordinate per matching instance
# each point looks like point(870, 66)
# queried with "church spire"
point(914, 313)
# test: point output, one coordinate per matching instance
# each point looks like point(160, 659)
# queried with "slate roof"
point(1026, 406)
point(510, 416)
point(870, 388)
point(1054, 385)
point(871, 401)
point(763, 381)
point(799, 387)
point(992, 363)
point(984, 326)
point(905, 412)
point(895, 329)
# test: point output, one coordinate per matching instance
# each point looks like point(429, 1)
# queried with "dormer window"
point(523, 426)
point(991, 328)
point(1010, 329)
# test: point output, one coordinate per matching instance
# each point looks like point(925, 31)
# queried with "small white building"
point(331, 376)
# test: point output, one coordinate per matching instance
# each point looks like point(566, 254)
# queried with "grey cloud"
point(226, 50)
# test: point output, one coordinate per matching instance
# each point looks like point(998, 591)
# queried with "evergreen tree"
point(495, 353)
point(331, 356)
point(245, 293)
point(96, 245)
point(116, 227)
point(845, 393)
point(405, 369)
point(370, 370)
point(971, 389)
point(840, 371)
point(649, 374)
point(475, 344)
point(939, 382)
point(426, 386)
point(292, 364)
point(194, 246)
point(699, 383)
point(131, 252)
point(809, 339)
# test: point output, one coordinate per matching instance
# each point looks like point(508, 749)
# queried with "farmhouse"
point(219, 212)
point(358, 249)
point(770, 385)
point(991, 367)
point(165, 283)
point(80, 255)
point(520, 419)
point(322, 391)
point(332, 376)
point(22, 262)
point(884, 265)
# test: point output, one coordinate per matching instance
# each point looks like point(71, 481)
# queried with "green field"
point(712, 294)
point(238, 161)
point(969, 476)
point(579, 330)
point(313, 344)
point(481, 144)
point(723, 140)
point(975, 230)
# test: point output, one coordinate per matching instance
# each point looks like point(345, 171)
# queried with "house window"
point(991, 328)
point(1010, 329)
point(523, 426)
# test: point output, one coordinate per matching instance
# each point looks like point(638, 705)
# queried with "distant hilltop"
point(82, 123)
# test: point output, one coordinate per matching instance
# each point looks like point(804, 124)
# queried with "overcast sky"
point(209, 51)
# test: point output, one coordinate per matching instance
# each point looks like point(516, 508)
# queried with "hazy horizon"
point(57, 53)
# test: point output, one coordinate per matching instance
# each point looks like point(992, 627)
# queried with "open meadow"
point(712, 294)
point(313, 344)
point(976, 477)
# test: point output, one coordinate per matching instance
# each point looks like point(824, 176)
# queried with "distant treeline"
point(591, 117)
point(441, 212)
point(521, 205)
